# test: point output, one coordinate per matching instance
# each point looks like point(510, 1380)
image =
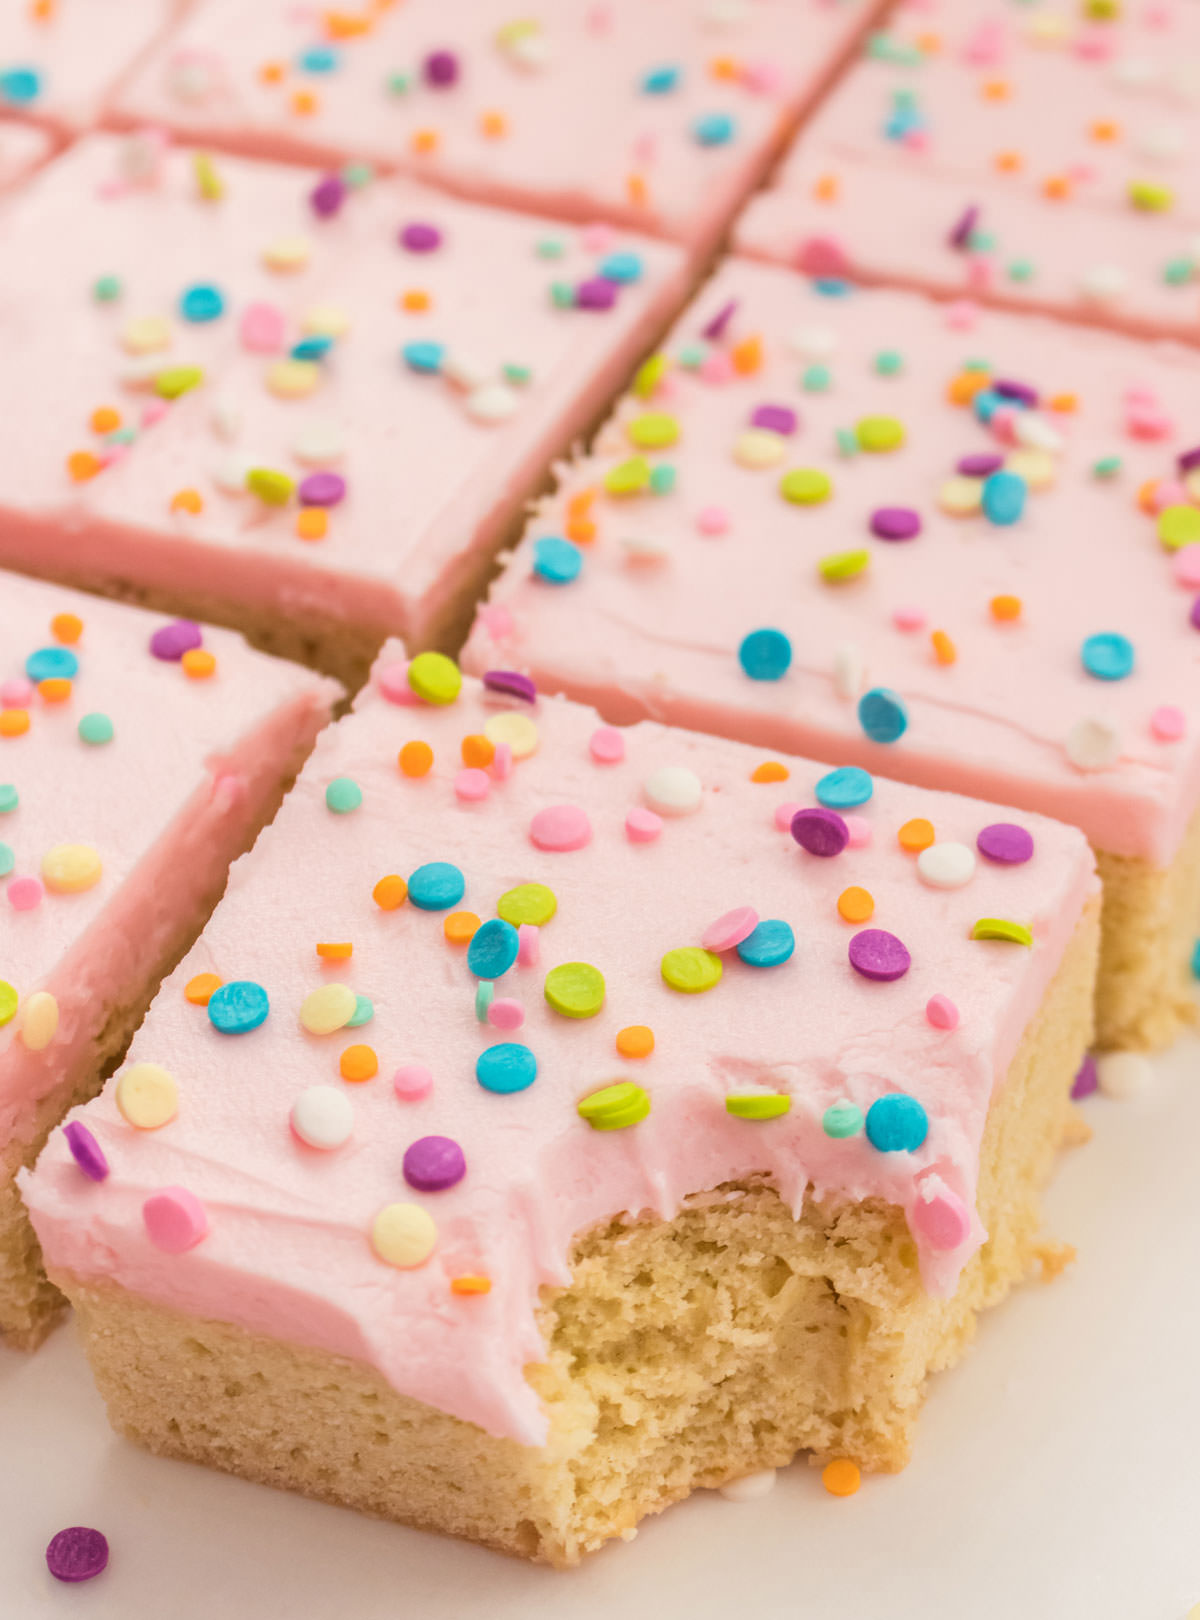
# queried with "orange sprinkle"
point(470, 1285)
point(105, 420)
point(198, 664)
point(14, 722)
point(944, 649)
point(42, 10)
point(199, 990)
point(771, 770)
point(963, 388)
point(747, 356)
point(1005, 607)
point(635, 1041)
point(1147, 497)
point(827, 188)
point(337, 951)
point(637, 190)
point(67, 628)
point(187, 500)
point(346, 24)
point(1105, 129)
point(460, 927)
point(995, 89)
point(493, 125)
point(1057, 187)
point(312, 523)
point(82, 465)
point(1066, 403)
point(55, 688)
point(855, 904)
point(581, 529)
point(478, 750)
point(841, 1477)
point(416, 759)
point(416, 300)
point(305, 103)
point(581, 502)
point(271, 72)
point(1009, 162)
point(359, 1063)
point(724, 67)
point(390, 892)
point(929, 44)
point(425, 141)
point(916, 835)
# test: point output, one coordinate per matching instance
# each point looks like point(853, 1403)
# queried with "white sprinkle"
point(530, 51)
point(759, 447)
point(1161, 144)
point(323, 1117)
point(226, 419)
point(1123, 1075)
point(849, 670)
point(643, 549)
point(319, 444)
point(946, 866)
point(815, 342)
point(673, 790)
point(1134, 72)
point(750, 1488)
point(494, 402)
point(1103, 283)
point(230, 474)
point(1093, 744)
point(192, 78)
point(1035, 432)
point(465, 372)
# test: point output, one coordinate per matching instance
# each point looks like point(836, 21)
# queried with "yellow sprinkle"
point(293, 379)
point(514, 728)
point(40, 1022)
point(961, 497)
point(325, 320)
point(759, 447)
point(287, 253)
point(403, 1235)
point(844, 565)
point(147, 1096)
point(146, 334)
point(70, 868)
point(329, 1008)
point(1038, 468)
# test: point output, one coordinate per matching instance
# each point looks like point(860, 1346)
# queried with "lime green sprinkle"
point(1179, 526)
point(649, 374)
point(96, 729)
point(653, 431)
point(758, 1105)
point(531, 903)
point(106, 289)
point(1151, 196)
point(177, 380)
point(842, 1119)
point(628, 477)
point(435, 678)
point(8, 1002)
point(806, 486)
point(844, 565)
point(1020, 270)
point(880, 433)
point(692, 969)
point(562, 295)
point(550, 247)
point(614, 1107)
point(1103, 10)
point(1178, 272)
point(575, 989)
point(273, 488)
point(817, 379)
point(1000, 928)
point(208, 181)
point(662, 478)
point(889, 362)
point(1106, 467)
point(977, 365)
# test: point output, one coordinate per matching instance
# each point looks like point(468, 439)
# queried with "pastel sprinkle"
point(147, 1096)
point(1003, 929)
point(435, 678)
point(1005, 843)
point(238, 1007)
point(493, 949)
point(1003, 498)
point(436, 886)
point(403, 1235)
point(896, 1123)
point(691, 969)
point(575, 989)
point(855, 904)
point(323, 1118)
point(642, 826)
point(730, 929)
point(946, 866)
point(557, 561)
point(39, 1021)
point(941, 1012)
point(615, 1107)
point(460, 927)
point(412, 1081)
point(771, 943)
point(95, 729)
point(343, 795)
point(434, 1163)
point(561, 827)
point(842, 565)
point(841, 1477)
point(70, 868)
point(916, 835)
point(765, 655)
point(882, 715)
point(806, 486)
point(758, 1105)
point(821, 832)
point(844, 788)
point(879, 955)
point(1108, 656)
point(506, 1068)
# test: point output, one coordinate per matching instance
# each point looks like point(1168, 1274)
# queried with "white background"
point(1056, 1477)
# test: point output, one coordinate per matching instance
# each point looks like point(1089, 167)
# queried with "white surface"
point(1057, 1473)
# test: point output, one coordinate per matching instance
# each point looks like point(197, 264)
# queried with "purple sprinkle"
point(960, 236)
point(820, 831)
point(876, 954)
point(86, 1151)
point(1086, 1081)
point(715, 330)
point(1195, 614)
point(982, 465)
point(777, 418)
point(77, 1554)
point(434, 1163)
point(895, 523)
point(327, 196)
point(512, 683)
point(1187, 459)
point(441, 69)
point(1007, 388)
point(322, 489)
point(420, 237)
point(174, 639)
point(596, 293)
point(1006, 843)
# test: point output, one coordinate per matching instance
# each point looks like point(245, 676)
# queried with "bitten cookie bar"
point(1029, 154)
point(308, 406)
point(961, 549)
point(137, 759)
point(577, 1117)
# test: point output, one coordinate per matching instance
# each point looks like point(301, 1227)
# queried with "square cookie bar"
point(137, 759)
point(267, 398)
point(1031, 155)
point(578, 1117)
point(957, 548)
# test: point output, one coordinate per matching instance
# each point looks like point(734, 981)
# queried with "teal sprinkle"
point(106, 289)
point(96, 729)
point(692, 356)
point(1196, 960)
point(362, 1014)
point(1106, 467)
point(562, 295)
point(662, 479)
point(816, 380)
point(358, 175)
point(7, 860)
point(847, 441)
point(485, 994)
point(550, 247)
point(982, 242)
point(889, 363)
point(518, 375)
point(1020, 270)
point(1178, 272)
point(343, 795)
point(9, 798)
point(398, 84)
point(842, 1119)
point(124, 435)
point(977, 365)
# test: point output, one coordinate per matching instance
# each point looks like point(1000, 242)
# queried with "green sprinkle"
point(846, 441)
point(398, 84)
point(817, 379)
point(649, 374)
point(363, 1013)
point(531, 903)
point(485, 994)
point(613, 1108)
point(435, 678)
point(9, 798)
point(208, 182)
point(806, 486)
point(758, 1105)
point(889, 362)
point(1178, 272)
point(358, 175)
point(550, 247)
point(1020, 270)
point(518, 375)
point(844, 564)
point(977, 365)
point(7, 859)
point(1106, 467)
point(982, 242)
point(662, 479)
point(1151, 196)
point(177, 380)
point(628, 477)
point(1000, 928)
point(880, 433)
point(575, 989)
point(8, 1002)
point(106, 289)
point(842, 1119)
point(655, 430)
point(272, 487)
point(343, 795)
point(692, 356)
point(562, 295)
point(691, 969)
point(96, 729)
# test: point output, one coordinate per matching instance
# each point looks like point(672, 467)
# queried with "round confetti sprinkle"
point(821, 832)
point(895, 523)
point(71, 868)
point(24, 894)
point(420, 237)
point(841, 1477)
point(879, 434)
point(882, 715)
point(758, 1105)
point(358, 1063)
point(730, 929)
point(876, 954)
point(941, 1012)
point(171, 641)
point(412, 1081)
point(1003, 498)
point(51, 663)
point(1168, 723)
point(556, 560)
point(615, 1107)
point(95, 729)
point(390, 892)
point(606, 745)
point(505, 1068)
point(842, 1119)
point(435, 678)
point(328, 1008)
point(516, 731)
point(1179, 526)
point(1093, 744)
point(323, 1117)
point(1002, 928)
point(575, 989)
point(916, 835)
point(750, 1487)
point(844, 788)
point(806, 486)
point(175, 1220)
point(505, 1013)
point(343, 795)
point(9, 1002)
point(1123, 1075)
point(561, 827)
point(856, 905)
point(9, 798)
point(946, 866)
point(1109, 657)
point(527, 903)
point(238, 1007)
point(493, 949)
point(511, 683)
point(404, 1235)
point(897, 1124)
point(39, 1024)
point(436, 886)
point(147, 1096)
point(441, 69)
point(202, 303)
point(771, 943)
point(642, 826)
point(673, 790)
point(434, 1163)
point(485, 994)
point(364, 1011)
point(692, 969)
point(1005, 843)
point(765, 655)
point(635, 1041)
point(322, 489)
point(939, 1216)
point(86, 1151)
point(460, 927)
point(77, 1554)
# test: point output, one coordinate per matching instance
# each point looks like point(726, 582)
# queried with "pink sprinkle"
point(784, 814)
point(597, 237)
point(962, 315)
point(645, 147)
point(153, 412)
point(24, 893)
point(117, 452)
point(763, 78)
point(1169, 492)
point(561, 827)
point(717, 367)
point(495, 621)
point(607, 745)
point(1003, 424)
point(412, 1082)
point(821, 256)
point(17, 693)
point(392, 681)
point(1140, 394)
point(860, 830)
point(908, 618)
point(529, 944)
point(712, 520)
point(263, 329)
point(1093, 46)
point(471, 784)
point(1147, 422)
point(730, 930)
point(941, 1012)
point(980, 274)
point(506, 1013)
point(1167, 722)
point(175, 1220)
point(1186, 566)
point(642, 826)
point(939, 1215)
point(502, 762)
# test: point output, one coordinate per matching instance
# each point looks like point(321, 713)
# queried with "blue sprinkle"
point(987, 402)
point(843, 789)
point(1196, 960)
point(506, 1067)
point(7, 859)
point(485, 994)
point(493, 949)
point(622, 267)
point(882, 715)
point(52, 663)
point(238, 1007)
point(765, 655)
point(312, 348)
point(436, 886)
point(770, 943)
point(1108, 656)
point(20, 85)
point(713, 129)
point(319, 59)
point(202, 303)
point(897, 1124)
point(362, 1014)
point(659, 80)
point(832, 286)
point(424, 355)
point(556, 560)
point(1003, 498)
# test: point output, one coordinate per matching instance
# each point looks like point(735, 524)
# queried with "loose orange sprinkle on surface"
point(460, 927)
point(724, 67)
point(827, 188)
point(638, 191)
point(1009, 162)
point(1005, 607)
point(1057, 187)
point(82, 465)
point(199, 990)
point(1105, 129)
point(929, 44)
point(425, 140)
point(55, 688)
point(67, 628)
point(470, 1285)
point(416, 759)
point(198, 664)
point(747, 356)
point(1065, 403)
point(105, 419)
point(271, 73)
point(346, 24)
point(42, 10)
point(335, 950)
point(305, 103)
point(961, 390)
point(944, 649)
point(359, 1063)
point(390, 892)
point(855, 904)
point(415, 300)
point(916, 835)
point(635, 1041)
point(478, 750)
point(14, 722)
point(312, 523)
point(771, 770)
point(493, 125)
point(187, 500)
point(995, 89)
point(841, 1477)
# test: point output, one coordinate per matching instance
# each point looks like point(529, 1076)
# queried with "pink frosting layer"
point(1073, 140)
point(22, 148)
point(550, 114)
point(288, 1249)
point(673, 582)
point(164, 805)
point(430, 478)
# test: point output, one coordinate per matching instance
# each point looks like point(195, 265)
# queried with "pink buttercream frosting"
point(287, 1246)
point(22, 148)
